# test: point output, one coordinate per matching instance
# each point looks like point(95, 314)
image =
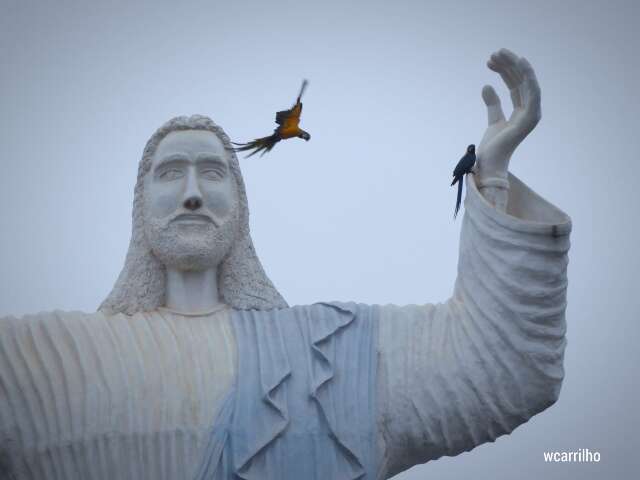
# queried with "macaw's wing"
point(289, 121)
point(464, 165)
point(286, 117)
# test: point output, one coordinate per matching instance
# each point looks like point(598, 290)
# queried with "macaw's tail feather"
point(262, 149)
point(250, 146)
point(263, 145)
point(459, 199)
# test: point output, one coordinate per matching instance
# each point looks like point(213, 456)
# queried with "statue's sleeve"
point(457, 374)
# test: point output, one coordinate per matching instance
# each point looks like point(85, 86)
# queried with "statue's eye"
point(171, 174)
point(212, 173)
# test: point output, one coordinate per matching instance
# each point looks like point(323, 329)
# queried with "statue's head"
point(191, 208)
point(190, 212)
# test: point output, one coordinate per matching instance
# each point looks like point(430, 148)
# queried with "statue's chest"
point(118, 392)
point(169, 373)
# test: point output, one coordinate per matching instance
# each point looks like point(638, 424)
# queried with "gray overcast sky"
point(362, 211)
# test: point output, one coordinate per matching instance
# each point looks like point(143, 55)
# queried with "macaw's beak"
point(306, 136)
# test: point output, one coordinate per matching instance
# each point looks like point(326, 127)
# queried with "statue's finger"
point(516, 97)
point(531, 90)
point(494, 107)
point(530, 80)
point(509, 80)
point(501, 70)
point(510, 61)
point(503, 73)
point(497, 64)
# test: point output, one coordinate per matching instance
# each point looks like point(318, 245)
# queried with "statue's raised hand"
point(503, 136)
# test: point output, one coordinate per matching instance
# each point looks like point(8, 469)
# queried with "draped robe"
point(323, 391)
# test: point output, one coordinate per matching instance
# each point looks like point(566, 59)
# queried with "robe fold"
point(303, 402)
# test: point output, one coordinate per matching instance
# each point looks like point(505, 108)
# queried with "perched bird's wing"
point(461, 166)
point(465, 165)
point(263, 145)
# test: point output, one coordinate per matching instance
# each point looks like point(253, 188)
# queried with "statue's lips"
point(191, 218)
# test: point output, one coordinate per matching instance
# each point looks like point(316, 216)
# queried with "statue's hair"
point(242, 282)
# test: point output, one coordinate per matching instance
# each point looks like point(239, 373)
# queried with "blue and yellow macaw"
point(288, 127)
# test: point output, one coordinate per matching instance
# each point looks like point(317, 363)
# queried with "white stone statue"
point(194, 367)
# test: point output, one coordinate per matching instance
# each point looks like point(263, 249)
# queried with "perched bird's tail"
point(459, 199)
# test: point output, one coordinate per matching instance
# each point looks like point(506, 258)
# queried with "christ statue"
point(194, 367)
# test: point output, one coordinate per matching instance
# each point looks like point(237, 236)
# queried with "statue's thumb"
point(492, 101)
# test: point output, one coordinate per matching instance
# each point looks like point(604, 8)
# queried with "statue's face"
point(191, 206)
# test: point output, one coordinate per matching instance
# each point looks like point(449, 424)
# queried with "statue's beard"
point(191, 247)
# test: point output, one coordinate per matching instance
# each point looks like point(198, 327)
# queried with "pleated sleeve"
point(457, 374)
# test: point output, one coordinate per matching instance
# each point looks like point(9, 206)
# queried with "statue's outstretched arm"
point(457, 374)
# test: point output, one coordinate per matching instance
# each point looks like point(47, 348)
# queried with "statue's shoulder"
point(32, 344)
point(40, 348)
point(51, 315)
point(53, 319)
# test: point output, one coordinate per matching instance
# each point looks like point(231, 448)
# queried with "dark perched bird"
point(287, 121)
point(463, 167)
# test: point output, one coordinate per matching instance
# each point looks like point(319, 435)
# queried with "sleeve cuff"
point(527, 211)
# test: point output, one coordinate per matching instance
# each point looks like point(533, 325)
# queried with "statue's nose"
point(193, 203)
